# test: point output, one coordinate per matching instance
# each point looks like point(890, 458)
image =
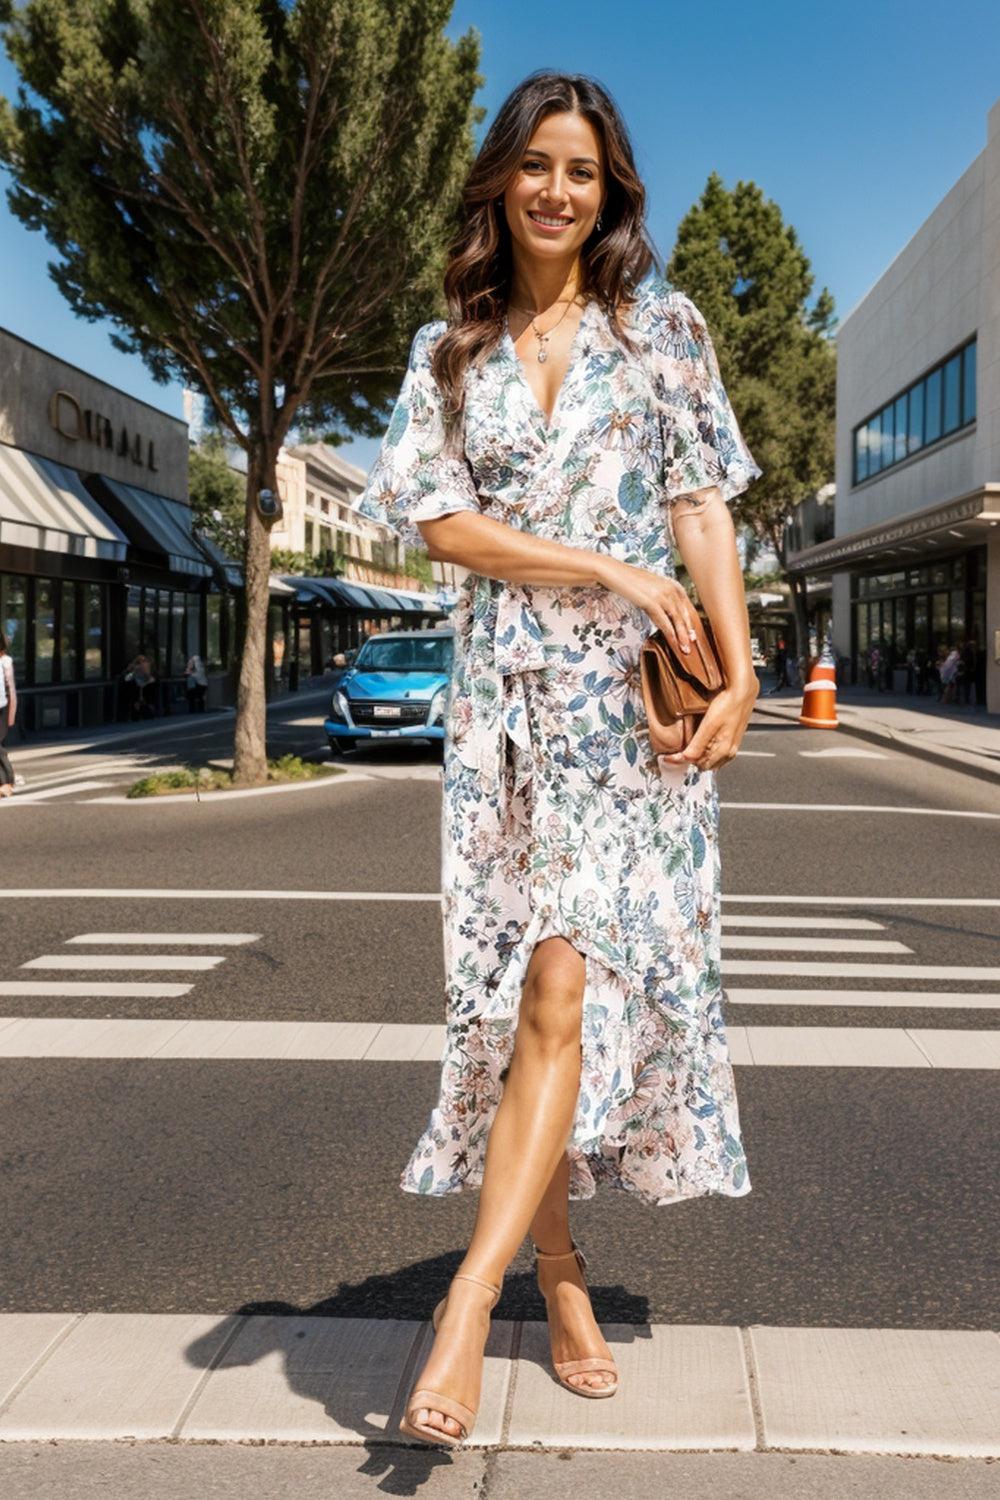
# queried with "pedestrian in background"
point(950, 668)
point(780, 666)
point(8, 715)
point(140, 677)
point(197, 684)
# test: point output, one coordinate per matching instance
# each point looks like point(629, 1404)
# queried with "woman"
point(139, 675)
point(545, 438)
point(8, 715)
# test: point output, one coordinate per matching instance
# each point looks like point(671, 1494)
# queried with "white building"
point(915, 559)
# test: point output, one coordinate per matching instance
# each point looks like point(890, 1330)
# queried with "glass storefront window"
point(939, 619)
point(969, 382)
point(213, 638)
point(920, 636)
point(14, 608)
point(69, 641)
point(957, 616)
point(932, 416)
point(45, 630)
point(163, 633)
point(875, 445)
point(178, 656)
point(193, 626)
point(133, 623)
point(93, 630)
point(952, 382)
point(916, 418)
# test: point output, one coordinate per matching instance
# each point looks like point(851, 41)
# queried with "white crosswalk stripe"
point(111, 961)
point(151, 939)
point(815, 944)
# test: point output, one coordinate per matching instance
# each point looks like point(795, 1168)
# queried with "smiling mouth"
point(549, 221)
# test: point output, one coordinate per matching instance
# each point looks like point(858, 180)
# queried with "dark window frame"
point(864, 468)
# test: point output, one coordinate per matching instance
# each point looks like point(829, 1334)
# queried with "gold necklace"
point(543, 338)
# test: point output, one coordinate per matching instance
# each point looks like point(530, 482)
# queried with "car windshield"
point(397, 654)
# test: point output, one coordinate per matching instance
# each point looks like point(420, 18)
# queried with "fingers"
point(675, 616)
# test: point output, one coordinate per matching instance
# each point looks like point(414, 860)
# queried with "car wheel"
point(339, 744)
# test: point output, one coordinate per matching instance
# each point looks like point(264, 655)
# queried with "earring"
point(598, 221)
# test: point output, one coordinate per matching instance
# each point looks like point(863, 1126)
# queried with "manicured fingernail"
point(692, 634)
point(685, 648)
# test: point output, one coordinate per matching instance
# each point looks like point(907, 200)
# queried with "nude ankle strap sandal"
point(424, 1398)
point(566, 1367)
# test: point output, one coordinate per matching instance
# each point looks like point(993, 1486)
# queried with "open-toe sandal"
point(564, 1368)
point(423, 1398)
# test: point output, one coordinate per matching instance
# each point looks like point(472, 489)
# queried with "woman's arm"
point(706, 540)
point(11, 695)
point(496, 550)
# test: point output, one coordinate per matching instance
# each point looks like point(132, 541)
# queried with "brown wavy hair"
point(478, 274)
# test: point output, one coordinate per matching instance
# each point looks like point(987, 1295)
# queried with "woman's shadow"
point(353, 1372)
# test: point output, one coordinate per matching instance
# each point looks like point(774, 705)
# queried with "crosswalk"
point(856, 955)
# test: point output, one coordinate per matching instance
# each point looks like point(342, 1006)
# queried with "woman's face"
point(554, 197)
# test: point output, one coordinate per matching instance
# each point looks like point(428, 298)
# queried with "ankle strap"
point(556, 1254)
point(470, 1276)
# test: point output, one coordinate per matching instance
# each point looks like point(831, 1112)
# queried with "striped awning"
point(44, 505)
point(167, 522)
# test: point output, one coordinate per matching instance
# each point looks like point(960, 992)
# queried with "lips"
point(553, 222)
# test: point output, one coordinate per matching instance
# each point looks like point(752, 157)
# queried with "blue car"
point(395, 688)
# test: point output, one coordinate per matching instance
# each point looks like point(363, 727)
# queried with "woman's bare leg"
point(526, 1141)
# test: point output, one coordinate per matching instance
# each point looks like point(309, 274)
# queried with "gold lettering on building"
point(80, 424)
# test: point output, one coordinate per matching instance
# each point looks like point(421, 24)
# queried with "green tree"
point(217, 493)
point(256, 194)
point(744, 267)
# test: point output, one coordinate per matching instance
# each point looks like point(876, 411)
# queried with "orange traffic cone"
point(819, 697)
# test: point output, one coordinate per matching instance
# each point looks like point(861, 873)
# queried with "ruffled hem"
point(632, 1129)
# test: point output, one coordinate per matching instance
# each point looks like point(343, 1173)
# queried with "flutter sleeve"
point(413, 479)
point(702, 442)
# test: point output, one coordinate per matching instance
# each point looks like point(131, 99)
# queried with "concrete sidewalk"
point(259, 1378)
point(958, 737)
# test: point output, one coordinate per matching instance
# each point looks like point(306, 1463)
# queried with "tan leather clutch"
point(677, 687)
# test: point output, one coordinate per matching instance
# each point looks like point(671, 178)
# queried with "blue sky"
point(855, 119)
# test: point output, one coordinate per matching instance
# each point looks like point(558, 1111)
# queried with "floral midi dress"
point(557, 817)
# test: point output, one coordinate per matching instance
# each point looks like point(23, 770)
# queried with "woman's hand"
point(722, 727)
point(664, 600)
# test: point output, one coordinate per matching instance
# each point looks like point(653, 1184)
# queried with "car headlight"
point(436, 710)
point(338, 706)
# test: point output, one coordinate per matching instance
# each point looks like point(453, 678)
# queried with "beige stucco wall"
point(44, 401)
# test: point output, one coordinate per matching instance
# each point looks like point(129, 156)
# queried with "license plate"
point(374, 732)
point(387, 710)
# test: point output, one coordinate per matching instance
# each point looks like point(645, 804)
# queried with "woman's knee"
point(552, 997)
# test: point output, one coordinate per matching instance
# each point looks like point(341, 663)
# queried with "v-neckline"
point(546, 420)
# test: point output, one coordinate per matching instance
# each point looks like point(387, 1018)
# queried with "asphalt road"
point(256, 1184)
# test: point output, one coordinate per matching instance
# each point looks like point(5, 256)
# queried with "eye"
point(587, 173)
point(529, 164)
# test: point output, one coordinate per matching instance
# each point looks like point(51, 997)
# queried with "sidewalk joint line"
point(213, 1364)
point(753, 1390)
point(41, 1361)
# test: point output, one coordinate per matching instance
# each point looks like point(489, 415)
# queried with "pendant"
point(542, 356)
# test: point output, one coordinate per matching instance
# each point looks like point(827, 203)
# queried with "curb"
point(953, 760)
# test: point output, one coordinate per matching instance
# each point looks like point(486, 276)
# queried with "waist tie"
point(506, 640)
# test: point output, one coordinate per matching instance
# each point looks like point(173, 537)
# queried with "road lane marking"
point(842, 752)
point(843, 924)
point(861, 971)
point(161, 893)
point(838, 807)
point(114, 989)
point(814, 944)
point(210, 939)
point(890, 999)
point(297, 1041)
point(129, 961)
point(20, 798)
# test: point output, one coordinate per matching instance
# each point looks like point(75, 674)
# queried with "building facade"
point(914, 563)
point(98, 556)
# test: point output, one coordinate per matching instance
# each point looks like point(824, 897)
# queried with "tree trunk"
point(250, 735)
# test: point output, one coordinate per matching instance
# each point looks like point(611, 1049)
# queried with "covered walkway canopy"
point(46, 506)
